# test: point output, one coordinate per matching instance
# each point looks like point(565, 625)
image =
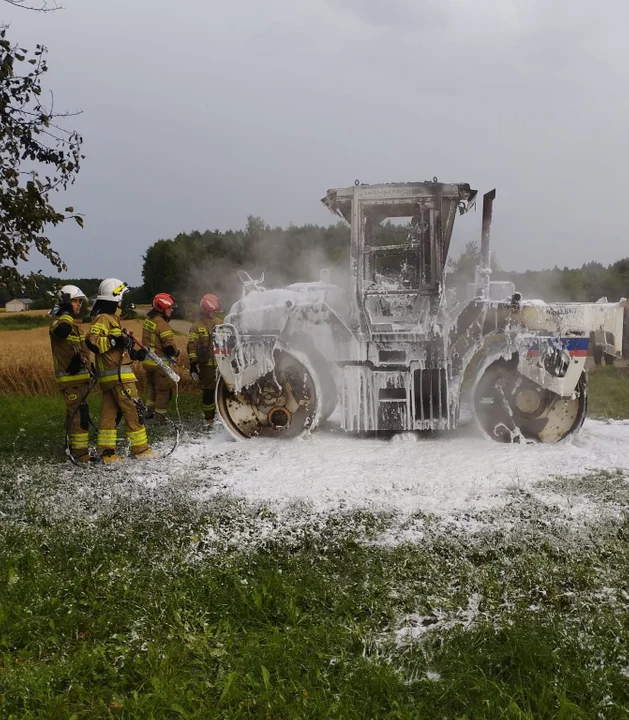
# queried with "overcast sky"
point(197, 113)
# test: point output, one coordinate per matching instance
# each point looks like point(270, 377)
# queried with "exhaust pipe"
point(484, 269)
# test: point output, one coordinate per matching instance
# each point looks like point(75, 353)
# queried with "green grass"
point(118, 600)
point(18, 321)
point(135, 615)
point(33, 426)
point(608, 394)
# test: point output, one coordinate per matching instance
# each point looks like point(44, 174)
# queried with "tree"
point(255, 230)
point(38, 158)
point(465, 264)
point(462, 270)
point(38, 6)
point(193, 264)
point(620, 278)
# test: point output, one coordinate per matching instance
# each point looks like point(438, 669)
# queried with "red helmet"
point(163, 301)
point(209, 304)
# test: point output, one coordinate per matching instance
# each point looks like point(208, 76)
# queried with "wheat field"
point(26, 361)
point(24, 313)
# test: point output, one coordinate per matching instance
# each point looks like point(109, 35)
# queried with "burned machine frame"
point(403, 354)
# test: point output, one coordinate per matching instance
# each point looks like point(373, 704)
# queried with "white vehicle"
point(398, 352)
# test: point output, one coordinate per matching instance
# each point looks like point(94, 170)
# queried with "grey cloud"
point(408, 15)
point(198, 113)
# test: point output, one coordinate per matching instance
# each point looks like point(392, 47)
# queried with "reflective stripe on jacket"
point(200, 343)
point(112, 364)
point(65, 349)
point(62, 377)
point(157, 335)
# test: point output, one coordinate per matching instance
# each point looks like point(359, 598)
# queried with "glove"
point(194, 368)
point(138, 354)
point(121, 342)
point(172, 353)
point(75, 365)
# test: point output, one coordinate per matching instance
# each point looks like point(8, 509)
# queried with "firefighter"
point(158, 336)
point(201, 352)
point(114, 352)
point(71, 360)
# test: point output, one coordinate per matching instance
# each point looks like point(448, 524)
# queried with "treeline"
point(588, 283)
point(42, 297)
point(196, 263)
point(45, 293)
point(192, 264)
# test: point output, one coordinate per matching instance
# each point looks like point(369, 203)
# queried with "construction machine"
point(396, 350)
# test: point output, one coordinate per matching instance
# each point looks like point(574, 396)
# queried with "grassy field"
point(26, 363)
point(19, 321)
point(609, 392)
point(118, 600)
point(28, 313)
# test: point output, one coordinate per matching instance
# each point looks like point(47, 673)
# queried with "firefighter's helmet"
point(163, 301)
point(71, 292)
point(209, 304)
point(112, 289)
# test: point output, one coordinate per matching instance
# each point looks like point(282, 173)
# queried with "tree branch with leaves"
point(39, 157)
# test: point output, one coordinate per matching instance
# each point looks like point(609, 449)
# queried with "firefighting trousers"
point(79, 420)
point(115, 400)
point(160, 389)
point(207, 380)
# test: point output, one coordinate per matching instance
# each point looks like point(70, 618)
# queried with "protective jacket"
point(200, 344)
point(201, 355)
point(158, 336)
point(69, 351)
point(112, 363)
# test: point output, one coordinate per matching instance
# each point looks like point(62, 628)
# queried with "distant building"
point(18, 304)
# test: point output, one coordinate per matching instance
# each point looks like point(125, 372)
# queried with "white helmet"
point(112, 289)
point(71, 292)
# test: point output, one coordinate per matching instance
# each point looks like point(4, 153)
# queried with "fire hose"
point(70, 420)
point(138, 403)
point(171, 374)
point(155, 358)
